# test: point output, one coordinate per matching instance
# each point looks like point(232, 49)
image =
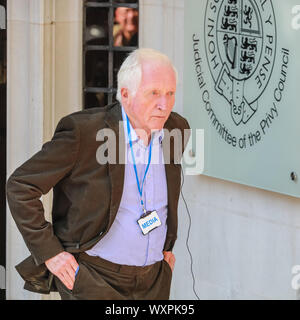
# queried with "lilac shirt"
point(125, 243)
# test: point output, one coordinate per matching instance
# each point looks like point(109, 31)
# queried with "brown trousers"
point(99, 279)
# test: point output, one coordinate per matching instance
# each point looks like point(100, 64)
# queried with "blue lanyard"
point(134, 164)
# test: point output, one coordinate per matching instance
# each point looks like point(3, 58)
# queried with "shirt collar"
point(157, 135)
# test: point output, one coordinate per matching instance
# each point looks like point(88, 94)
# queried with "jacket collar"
point(114, 116)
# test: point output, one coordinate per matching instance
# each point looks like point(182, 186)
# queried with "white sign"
point(241, 87)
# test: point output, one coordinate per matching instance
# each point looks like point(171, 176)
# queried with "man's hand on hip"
point(170, 258)
point(63, 266)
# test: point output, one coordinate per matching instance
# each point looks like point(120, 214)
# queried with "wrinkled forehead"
point(155, 71)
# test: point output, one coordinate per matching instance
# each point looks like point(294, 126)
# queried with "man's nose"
point(162, 103)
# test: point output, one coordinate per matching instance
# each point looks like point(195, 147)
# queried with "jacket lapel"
point(116, 170)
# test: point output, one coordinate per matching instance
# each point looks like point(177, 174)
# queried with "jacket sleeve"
point(36, 177)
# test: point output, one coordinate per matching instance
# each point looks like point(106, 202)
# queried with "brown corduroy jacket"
point(86, 194)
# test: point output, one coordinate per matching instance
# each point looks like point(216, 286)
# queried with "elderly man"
point(114, 224)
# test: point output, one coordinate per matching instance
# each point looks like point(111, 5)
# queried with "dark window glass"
point(110, 34)
point(119, 57)
point(96, 31)
point(98, 99)
point(126, 1)
point(96, 69)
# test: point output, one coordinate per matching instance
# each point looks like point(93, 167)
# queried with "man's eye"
point(171, 93)
point(154, 92)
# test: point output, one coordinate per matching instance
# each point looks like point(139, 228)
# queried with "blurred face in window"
point(127, 18)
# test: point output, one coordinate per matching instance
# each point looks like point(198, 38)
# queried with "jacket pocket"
point(37, 278)
point(168, 267)
point(77, 279)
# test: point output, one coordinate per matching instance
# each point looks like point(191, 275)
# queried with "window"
point(110, 33)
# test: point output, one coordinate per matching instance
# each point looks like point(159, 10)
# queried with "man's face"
point(150, 108)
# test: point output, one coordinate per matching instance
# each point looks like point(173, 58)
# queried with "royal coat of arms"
point(240, 47)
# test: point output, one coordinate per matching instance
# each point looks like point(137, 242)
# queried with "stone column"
point(44, 83)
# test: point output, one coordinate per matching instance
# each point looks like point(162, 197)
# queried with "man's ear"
point(125, 95)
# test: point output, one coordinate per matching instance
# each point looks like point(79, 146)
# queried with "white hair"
point(130, 73)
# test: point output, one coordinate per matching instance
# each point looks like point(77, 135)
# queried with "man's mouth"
point(159, 117)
